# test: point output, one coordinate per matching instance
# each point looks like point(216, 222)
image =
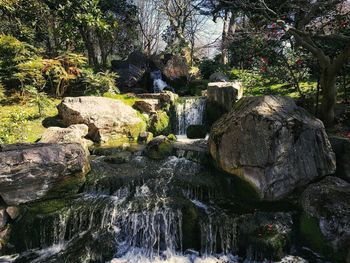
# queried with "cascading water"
point(189, 111)
point(158, 83)
point(142, 211)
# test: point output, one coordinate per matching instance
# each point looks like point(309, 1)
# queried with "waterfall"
point(148, 217)
point(158, 83)
point(189, 111)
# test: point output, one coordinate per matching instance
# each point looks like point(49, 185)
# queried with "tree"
point(151, 23)
point(315, 25)
point(179, 14)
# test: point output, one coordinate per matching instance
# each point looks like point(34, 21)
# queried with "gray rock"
point(13, 212)
point(107, 119)
point(3, 218)
point(29, 172)
point(273, 144)
point(225, 94)
point(72, 134)
point(218, 77)
point(341, 147)
point(329, 202)
point(4, 237)
point(164, 98)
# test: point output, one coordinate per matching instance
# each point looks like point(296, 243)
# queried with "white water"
point(189, 112)
point(158, 83)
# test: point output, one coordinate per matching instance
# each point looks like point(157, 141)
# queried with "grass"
point(20, 121)
point(127, 99)
point(282, 89)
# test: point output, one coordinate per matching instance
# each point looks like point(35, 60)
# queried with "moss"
point(67, 186)
point(160, 123)
point(127, 99)
point(136, 129)
point(159, 148)
point(190, 227)
point(48, 207)
point(172, 137)
point(311, 235)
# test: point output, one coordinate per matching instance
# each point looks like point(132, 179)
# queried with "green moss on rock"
point(159, 148)
point(311, 235)
point(160, 123)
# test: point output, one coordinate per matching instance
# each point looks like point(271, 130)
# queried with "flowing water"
point(189, 111)
point(142, 211)
point(177, 210)
point(158, 83)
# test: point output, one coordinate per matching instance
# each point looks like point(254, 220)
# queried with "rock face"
point(132, 72)
point(164, 98)
point(29, 172)
point(225, 93)
point(147, 106)
point(273, 144)
point(329, 202)
point(72, 134)
point(341, 147)
point(176, 68)
point(107, 119)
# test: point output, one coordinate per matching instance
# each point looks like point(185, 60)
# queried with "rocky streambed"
point(262, 189)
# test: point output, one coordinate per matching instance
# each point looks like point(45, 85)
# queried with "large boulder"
point(218, 77)
point(225, 94)
point(107, 119)
point(177, 73)
point(133, 73)
point(273, 144)
point(328, 201)
point(72, 134)
point(29, 172)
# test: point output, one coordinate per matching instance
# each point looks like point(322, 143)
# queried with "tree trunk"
point(89, 45)
point(329, 96)
point(224, 49)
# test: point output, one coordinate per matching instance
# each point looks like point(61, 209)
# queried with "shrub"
point(64, 70)
point(12, 129)
point(100, 83)
point(12, 53)
point(39, 99)
point(2, 92)
point(208, 67)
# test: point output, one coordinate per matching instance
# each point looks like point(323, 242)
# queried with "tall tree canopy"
point(318, 26)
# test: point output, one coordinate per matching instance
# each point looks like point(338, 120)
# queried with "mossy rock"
point(136, 129)
point(145, 137)
point(118, 158)
point(264, 236)
point(196, 132)
point(311, 236)
point(159, 148)
point(172, 137)
point(160, 123)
